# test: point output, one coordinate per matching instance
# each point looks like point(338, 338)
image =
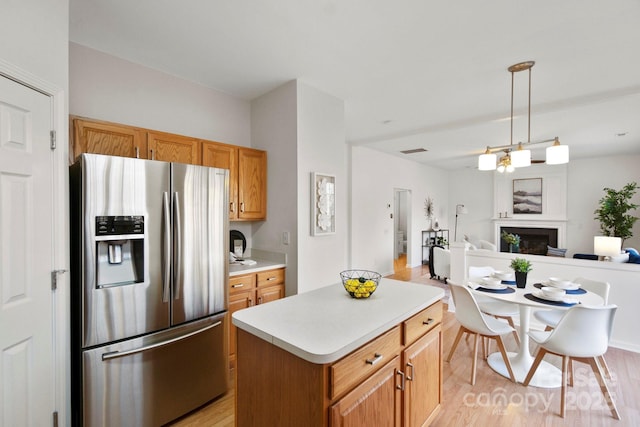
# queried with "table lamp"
point(606, 246)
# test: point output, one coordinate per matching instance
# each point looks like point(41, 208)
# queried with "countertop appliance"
point(148, 289)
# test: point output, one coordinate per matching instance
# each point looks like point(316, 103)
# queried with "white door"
point(26, 257)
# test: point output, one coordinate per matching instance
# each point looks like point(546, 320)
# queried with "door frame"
point(60, 230)
point(396, 219)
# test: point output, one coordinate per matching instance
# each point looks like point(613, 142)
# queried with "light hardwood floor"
point(495, 400)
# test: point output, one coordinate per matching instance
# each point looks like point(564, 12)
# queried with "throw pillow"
point(634, 259)
point(556, 251)
point(632, 251)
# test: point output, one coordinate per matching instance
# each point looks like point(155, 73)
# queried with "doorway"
point(401, 227)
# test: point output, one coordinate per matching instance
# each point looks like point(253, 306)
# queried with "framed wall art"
point(527, 196)
point(323, 204)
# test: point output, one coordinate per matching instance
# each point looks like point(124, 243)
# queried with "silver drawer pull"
point(237, 285)
point(409, 377)
point(270, 279)
point(376, 358)
point(402, 378)
point(428, 321)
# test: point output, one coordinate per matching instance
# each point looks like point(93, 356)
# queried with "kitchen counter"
point(265, 260)
point(261, 265)
point(326, 324)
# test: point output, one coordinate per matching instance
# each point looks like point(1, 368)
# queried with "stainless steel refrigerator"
point(149, 289)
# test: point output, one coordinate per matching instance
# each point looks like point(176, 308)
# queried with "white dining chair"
point(474, 322)
point(582, 334)
point(550, 318)
point(491, 306)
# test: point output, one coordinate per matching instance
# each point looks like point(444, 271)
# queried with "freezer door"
point(201, 223)
point(124, 290)
point(152, 380)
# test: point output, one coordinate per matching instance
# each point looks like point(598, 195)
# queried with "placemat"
point(497, 291)
point(544, 301)
point(578, 291)
point(508, 282)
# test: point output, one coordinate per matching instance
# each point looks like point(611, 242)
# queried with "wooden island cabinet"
point(341, 372)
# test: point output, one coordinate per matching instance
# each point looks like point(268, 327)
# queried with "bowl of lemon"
point(360, 283)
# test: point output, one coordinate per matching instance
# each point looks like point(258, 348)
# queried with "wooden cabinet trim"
point(351, 369)
point(242, 283)
point(271, 277)
point(422, 323)
point(367, 400)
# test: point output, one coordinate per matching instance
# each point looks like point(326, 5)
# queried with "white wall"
point(108, 88)
point(35, 37)
point(375, 176)
point(34, 48)
point(586, 179)
point(302, 128)
point(274, 124)
point(474, 190)
point(321, 148)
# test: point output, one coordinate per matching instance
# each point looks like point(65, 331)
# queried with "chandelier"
point(517, 156)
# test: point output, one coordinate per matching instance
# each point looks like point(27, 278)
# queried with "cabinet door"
point(423, 368)
point(226, 157)
point(252, 184)
point(107, 138)
point(173, 148)
point(237, 301)
point(375, 402)
point(270, 293)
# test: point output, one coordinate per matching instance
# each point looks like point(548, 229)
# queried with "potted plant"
point(521, 267)
point(612, 213)
point(513, 240)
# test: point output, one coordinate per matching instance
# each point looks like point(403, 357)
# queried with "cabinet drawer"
point(242, 283)
point(351, 370)
point(422, 322)
point(271, 277)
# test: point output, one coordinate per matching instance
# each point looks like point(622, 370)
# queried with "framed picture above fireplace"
point(527, 196)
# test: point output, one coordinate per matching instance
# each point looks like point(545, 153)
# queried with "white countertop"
point(261, 265)
point(323, 325)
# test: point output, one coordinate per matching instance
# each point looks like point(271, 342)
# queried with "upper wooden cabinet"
point(89, 136)
point(252, 184)
point(173, 148)
point(247, 166)
point(247, 178)
point(224, 156)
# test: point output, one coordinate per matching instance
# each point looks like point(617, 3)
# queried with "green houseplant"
point(612, 212)
point(513, 240)
point(521, 267)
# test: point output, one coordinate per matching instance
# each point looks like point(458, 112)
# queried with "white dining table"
point(547, 375)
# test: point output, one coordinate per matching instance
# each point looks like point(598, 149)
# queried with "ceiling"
point(412, 73)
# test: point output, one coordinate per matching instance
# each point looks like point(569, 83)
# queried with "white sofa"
point(441, 263)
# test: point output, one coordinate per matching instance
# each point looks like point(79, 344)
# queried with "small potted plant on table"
point(521, 267)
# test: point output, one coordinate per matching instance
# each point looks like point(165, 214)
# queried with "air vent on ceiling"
point(413, 151)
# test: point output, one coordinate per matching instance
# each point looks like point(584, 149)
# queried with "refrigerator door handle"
point(177, 249)
point(116, 354)
point(166, 246)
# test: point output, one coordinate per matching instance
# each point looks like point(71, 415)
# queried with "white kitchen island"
point(323, 358)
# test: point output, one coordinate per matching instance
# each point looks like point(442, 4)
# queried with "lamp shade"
point(461, 210)
point(520, 158)
point(607, 246)
point(557, 154)
point(487, 162)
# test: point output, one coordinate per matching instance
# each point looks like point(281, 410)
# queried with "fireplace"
point(533, 240)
